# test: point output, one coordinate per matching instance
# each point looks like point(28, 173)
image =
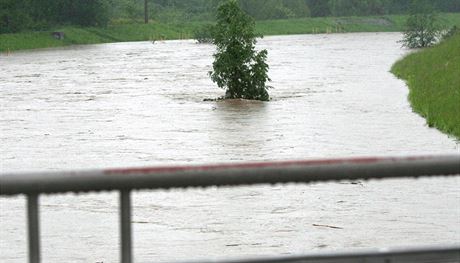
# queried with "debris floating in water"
point(328, 226)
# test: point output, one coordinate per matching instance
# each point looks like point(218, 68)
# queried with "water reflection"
point(240, 128)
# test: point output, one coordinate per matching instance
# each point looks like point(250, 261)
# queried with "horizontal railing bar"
point(229, 174)
point(445, 254)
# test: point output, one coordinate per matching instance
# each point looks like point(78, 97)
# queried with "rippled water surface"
point(138, 104)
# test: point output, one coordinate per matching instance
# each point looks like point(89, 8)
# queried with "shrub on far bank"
point(422, 27)
point(451, 32)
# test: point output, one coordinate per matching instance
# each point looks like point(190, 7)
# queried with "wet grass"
point(122, 31)
point(27, 40)
point(433, 77)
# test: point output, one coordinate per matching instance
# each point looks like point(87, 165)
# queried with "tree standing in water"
point(238, 67)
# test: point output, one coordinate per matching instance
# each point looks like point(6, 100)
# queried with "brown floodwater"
point(141, 104)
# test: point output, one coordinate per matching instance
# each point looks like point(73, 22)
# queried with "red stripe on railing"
point(281, 164)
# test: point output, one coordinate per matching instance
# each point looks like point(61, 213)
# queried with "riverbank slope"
point(125, 32)
point(434, 83)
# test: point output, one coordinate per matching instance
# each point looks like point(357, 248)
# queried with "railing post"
point(33, 226)
point(125, 227)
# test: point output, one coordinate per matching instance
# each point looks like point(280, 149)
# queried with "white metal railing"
point(126, 180)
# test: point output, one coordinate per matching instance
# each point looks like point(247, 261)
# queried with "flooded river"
point(139, 104)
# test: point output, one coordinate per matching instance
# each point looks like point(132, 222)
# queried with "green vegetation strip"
point(433, 77)
point(123, 32)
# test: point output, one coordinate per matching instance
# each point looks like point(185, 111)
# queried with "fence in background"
point(126, 180)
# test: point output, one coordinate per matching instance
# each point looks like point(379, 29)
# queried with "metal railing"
point(126, 180)
point(449, 254)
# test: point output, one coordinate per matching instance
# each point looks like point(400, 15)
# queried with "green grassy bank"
point(433, 77)
point(92, 35)
point(122, 32)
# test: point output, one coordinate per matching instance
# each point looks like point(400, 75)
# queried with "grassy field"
point(123, 32)
point(433, 77)
point(79, 36)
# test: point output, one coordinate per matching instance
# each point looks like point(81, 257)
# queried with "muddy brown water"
point(139, 104)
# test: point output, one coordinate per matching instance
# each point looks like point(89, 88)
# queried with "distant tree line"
point(283, 9)
point(18, 15)
point(377, 7)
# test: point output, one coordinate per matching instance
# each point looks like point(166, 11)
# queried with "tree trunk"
point(146, 12)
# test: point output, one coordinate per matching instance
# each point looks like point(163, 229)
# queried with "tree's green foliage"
point(319, 7)
point(423, 29)
point(298, 7)
point(451, 32)
point(275, 9)
point(238, 67)
point(85, 12)
point(357, 7)
point(373, 7)
point(17, 15)
point(204, 34)
point(12, 16)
